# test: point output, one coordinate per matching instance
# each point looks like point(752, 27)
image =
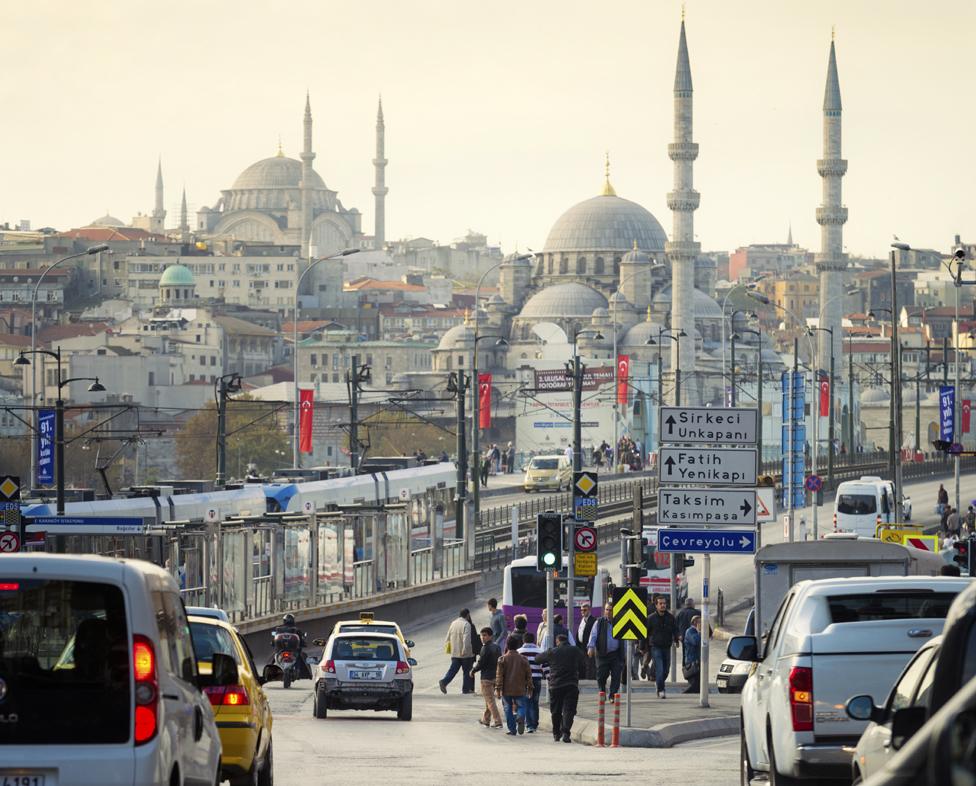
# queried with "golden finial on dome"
point(467, 316)
point(833, 33)
point(682, 12)
point(607, 188)
point(648, 313)
point(281, 153)
point(635, 244)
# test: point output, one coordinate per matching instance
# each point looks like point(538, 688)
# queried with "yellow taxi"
point(548, 472)
point(366, 622)
point(241, 711)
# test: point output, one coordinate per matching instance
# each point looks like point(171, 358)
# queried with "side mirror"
point(743, 648)
point(412, 661)
point(410, 643)
point(862, 708)
point(318, 642)
point(224, 670)
point(904, 724)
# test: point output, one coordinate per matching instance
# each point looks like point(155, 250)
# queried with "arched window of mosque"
point(549, 267)
point(581, 266)
point(448, 363)
point(598, 266)
point(525, 332)
point(460, 361)
point(524, 356)
point(563, 265)
point(616, 266)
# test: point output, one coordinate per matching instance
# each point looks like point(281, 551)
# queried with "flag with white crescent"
point(306, 411)
point(484, 400)
point(623, 375)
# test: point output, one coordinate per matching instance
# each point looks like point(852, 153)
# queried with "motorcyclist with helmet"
point(288, 626)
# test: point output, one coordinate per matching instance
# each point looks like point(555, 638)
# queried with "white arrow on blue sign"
point(707, 541)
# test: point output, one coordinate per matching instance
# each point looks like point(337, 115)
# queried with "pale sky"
point(497, 114)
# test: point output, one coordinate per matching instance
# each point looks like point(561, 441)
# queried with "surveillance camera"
point(959, 253)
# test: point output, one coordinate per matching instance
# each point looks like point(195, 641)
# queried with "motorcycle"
point(286, 662)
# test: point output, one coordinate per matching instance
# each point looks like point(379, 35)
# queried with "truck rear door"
point(870, 639)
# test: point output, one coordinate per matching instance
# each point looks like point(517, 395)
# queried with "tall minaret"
point(307, 157)
point(184, 216)
point(831, 215)
point(379, 186)
point(159, 212)
point(683, 250)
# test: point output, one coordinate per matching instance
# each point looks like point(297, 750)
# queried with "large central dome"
point(275, 172)
point(606, 223)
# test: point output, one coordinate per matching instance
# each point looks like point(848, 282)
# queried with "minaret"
point(307, 157)
point(184, 216)
point(683, 250)
point(379, 185)
point(831, 215)
point(159, 212)
point(789, 235)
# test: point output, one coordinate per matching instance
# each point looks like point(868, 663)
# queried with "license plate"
point(365, 675)
point(21, 780)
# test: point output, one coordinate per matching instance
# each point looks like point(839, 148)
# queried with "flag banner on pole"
point(967, 406)
point(623, 375)
point(306, 411)
point(824, 395)
point(484, 400)
point(947, 410)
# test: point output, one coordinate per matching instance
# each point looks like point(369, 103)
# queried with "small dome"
point(620, 299)
point(177, 276)
point(496, 300)
point(638, 335)
point(705, 307)
point(875, 396)
point(606, 223)
point(635, 256)
point(275, 172)
point(107, 221)
point(600, 312)
point(458, 337)
point(563, 301)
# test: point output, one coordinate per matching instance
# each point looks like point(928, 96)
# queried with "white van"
point(98, 677)
point(861, 505)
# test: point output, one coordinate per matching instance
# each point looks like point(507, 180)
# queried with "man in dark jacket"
point(608, 652)
point(685, 616)
point(586, 623)
point(487, 663)
point(566, 662)
point(662, 634)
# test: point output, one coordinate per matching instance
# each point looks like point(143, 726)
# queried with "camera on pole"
point(549, 541)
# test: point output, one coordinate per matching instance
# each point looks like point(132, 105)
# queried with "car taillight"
point(146, 689)
point(329, 666)
point(801, 698)
point(402, 667)
point(227, 695)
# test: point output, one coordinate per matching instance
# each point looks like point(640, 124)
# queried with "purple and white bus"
point(524, 592)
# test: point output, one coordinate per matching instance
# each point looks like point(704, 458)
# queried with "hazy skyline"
point(497, 117)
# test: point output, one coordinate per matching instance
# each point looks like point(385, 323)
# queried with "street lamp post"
point(958, 256)
point(95, 387)
point(668, 333)
point(749, 285)
point(312, 262)
point(830, 405)
point(735, 313)
point(90, 251)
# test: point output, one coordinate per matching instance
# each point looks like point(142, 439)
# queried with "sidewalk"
point(656, 723)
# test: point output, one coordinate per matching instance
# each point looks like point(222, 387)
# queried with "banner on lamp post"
point(484, 401)
point(45, 446)
point(623, 377)
point(306, 411)
point(824, 395)
point(947, 411)
point(967, 407)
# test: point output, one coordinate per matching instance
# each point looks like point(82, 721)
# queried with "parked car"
point(830, 639)
point(732, 674)
point(99, 676)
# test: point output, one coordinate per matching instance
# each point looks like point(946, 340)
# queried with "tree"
point(254, 436)
point(398, 433)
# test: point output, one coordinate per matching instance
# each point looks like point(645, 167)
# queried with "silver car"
point(364, 671)
point(880, 740)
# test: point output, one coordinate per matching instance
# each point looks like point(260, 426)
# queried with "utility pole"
point(791, 460)
point(457, 383)
point(896, 388)
point(732, 368)
point(830, 419)
point(945, 376)
point(227, 384)
point(578, 370)
point(355, 377)
point(850, 397)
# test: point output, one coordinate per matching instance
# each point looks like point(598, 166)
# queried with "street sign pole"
point(550, 602)
point(629, 652)
point(703, 669)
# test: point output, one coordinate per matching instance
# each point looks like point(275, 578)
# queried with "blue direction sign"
point(94, 525)
point(707, 541)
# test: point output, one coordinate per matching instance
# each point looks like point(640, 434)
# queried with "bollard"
point(615, 735)
point(600, 719)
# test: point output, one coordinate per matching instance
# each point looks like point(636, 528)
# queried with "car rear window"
point(209, 639)
point(365, 648)
point(544, 463)
point(872, 606)
point(363, 627)
point(64, 663)
point(857, 504)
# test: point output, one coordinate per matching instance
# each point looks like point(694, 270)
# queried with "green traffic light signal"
point(549, 540)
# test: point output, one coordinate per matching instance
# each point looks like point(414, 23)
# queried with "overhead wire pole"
point(457, 384)
point(896, 385)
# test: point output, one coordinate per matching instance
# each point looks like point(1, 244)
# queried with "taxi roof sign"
point(366, 616)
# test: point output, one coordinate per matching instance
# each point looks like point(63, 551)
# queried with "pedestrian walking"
point(565, 663)
point(521, 628)
point(485, 469)
point(496, 619)
point(662, 633)
point(607, 651)
point(487, 664)
point(583, 630)
point(513, 684)
point(685, 616)
point(970, 520)
point(691, 656)
point(542, 632)
point(569, 453)
point(457, 644)
point(942, 500)
point(510, 454)
point(467, 685)
point(953, 522)
point(529, 651)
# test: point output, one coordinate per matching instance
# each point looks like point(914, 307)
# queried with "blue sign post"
point(45, 446)
point(947, 412)
point(707, 541)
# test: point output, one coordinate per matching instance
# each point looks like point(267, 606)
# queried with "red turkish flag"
point(306, 411)
point(623, 374)
point(484, 400)
point(824, 395)
point(967, 406)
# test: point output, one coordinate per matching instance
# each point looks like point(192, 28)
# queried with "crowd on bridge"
point(513, 664)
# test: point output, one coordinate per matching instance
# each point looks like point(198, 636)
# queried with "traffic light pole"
point(578, 369)
point(458, 383)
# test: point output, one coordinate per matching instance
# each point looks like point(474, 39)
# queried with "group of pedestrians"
point(497, 460)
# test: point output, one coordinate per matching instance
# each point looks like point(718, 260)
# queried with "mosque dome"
point(563, 301)
point(875, 395)
point(600, 312)
point(107, 221)
point(705, 307)
point(275, 172)
point(606, 223)
point(638, 335)
point(458, 337)
point(177, 276)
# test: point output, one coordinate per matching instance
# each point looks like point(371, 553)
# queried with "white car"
point(913, 688)
point(364, 671)
point(98, 677)
point(830, 639)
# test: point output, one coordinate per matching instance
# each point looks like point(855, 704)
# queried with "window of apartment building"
point(236, 284)
point(315, 377)
point(369, 359)
point(203, 360)
point(291, 268)
point(325, 359)
point(281, 267)
point(151, 378)
point(335, 377)
point(192, 378)
point(198, 338)
point(313, 359)
point(335, 361)
point(213, 360)
point(389, 362)
point(460, 362)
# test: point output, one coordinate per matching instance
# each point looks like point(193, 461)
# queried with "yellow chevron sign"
point(629, 613)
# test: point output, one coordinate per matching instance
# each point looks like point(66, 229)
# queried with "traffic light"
point(964, 554)
point(549, 541)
